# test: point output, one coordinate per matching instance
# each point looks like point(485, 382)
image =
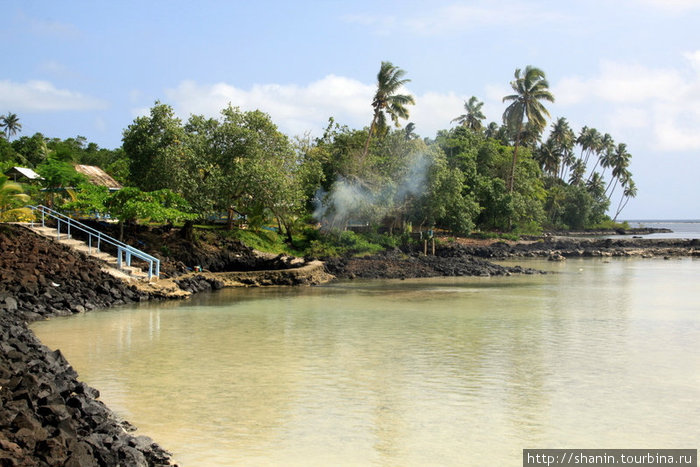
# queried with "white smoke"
point(360, 202)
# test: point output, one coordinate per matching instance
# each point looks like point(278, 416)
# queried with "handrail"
point(122, 248)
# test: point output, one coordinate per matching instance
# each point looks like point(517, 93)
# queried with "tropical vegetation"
point(519, 176)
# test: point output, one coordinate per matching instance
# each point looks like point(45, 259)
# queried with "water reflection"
point(430, 372)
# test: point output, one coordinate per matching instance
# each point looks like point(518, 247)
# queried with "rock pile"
point(400, 265)
point(47, 416)
point(571, 247)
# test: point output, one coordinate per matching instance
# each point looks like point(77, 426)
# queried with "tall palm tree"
point(563, 139)
point(578, 169)
point(605, 145)
point(390, 80)
point(548, 157)
point(472, 119)
point(619, 163)
point(630, 192)
point(11, 125)
point(531, 88)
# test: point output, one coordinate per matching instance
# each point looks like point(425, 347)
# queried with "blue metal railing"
point(124, 251)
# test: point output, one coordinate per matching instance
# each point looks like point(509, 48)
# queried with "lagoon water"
point(443, 372)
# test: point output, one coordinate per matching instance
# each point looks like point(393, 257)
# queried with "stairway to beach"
point(125, 272)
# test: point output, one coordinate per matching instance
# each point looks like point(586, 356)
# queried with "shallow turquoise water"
point(458, 371)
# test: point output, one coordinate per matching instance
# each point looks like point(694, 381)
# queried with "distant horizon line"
point(680, 221)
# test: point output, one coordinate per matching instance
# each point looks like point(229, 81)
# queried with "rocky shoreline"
point(578, 247)
point(49, 417)
point(473, 258)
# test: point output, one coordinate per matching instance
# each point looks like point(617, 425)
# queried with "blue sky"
point(627, 67)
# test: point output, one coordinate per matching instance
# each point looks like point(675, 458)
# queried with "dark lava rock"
point(47, 416)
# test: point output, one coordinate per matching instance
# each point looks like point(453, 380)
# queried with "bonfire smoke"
point(358, 201)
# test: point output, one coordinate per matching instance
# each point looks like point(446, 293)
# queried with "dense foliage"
point(239, 166)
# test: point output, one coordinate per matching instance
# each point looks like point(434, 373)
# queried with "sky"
point(630, 68)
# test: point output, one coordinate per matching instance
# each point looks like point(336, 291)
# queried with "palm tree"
point(409, 131)
point(596, 186)
point(12, 198)
point(563, 139)
point(492, 130)
point(630, 192)
point(530, 89)
point(390, 80)
point(619, 162)
point(548, 157)
point(10, 123)
point(606, 144)
point(589, 139)
point(578, 169)
point(472, 119)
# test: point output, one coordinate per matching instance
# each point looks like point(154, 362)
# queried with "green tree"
point(10, 124)
point(473, 116)
point(89, 199)
point(131, 204)
point(59, 175)
point(387, 101)
point(154, 145)
point(32, 149)
point(526, 107)
point(258, 167)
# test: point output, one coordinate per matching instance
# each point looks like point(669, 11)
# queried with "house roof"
point(24, 172)
point(98, 176)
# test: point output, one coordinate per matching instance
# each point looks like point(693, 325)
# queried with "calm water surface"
point(463, 371)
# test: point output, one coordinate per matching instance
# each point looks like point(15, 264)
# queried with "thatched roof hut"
point(97, 176)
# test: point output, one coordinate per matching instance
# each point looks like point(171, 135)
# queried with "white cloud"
point(43, 96)
point(434, 111)
point(299, 109)
point(665, 102)
point(296, 109)
point(621, 83)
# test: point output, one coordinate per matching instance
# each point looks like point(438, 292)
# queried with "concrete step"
point(125, 272)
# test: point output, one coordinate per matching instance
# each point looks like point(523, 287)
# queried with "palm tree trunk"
point(594, 167)
point(369, 137)
point(621, 206)
point(614, 185)
point(511, 182)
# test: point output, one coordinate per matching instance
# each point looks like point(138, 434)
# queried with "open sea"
point(681, 228)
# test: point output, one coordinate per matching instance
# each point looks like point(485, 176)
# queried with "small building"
point(23, 175)
point(99, 177)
